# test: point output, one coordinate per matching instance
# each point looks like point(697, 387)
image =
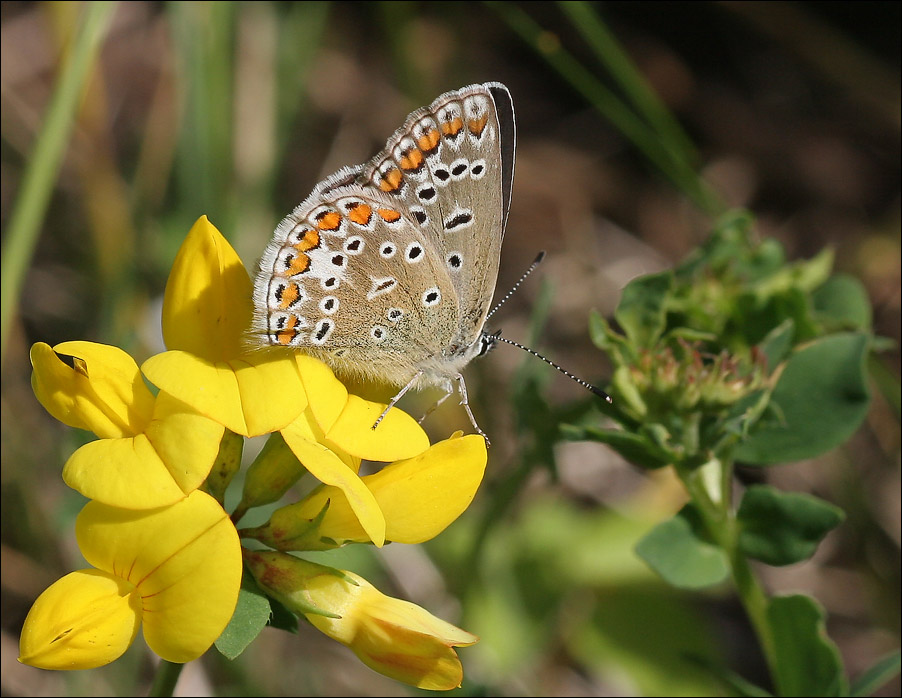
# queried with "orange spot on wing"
point(412, 161)
point(289, 332)
point(328, 220)
point(298, 265)
point(391, 181)
point(289, 295)
point(428, 142)
point(309, 241)
point(453, 127)
point(360, 214)
point(388, 215)
point(476, 126)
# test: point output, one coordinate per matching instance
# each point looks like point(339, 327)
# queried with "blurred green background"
point(236, 110)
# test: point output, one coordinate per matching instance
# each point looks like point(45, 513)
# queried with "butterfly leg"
point(397, 397)
point(448, 392)
point(465, 401)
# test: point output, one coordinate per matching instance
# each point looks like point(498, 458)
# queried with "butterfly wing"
point(451, 168)
point(349, 279)
point(388, 268)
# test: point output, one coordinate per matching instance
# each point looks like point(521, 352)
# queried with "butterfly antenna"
point(535, 263)
point(496, 337)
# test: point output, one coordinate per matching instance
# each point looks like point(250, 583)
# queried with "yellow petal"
point(94, 387)
point(329, 469)
point(185, 561)
point(397, 436)
point(326, 394)
point(85, 620)
point(419, 497)
point(250, 395)
point(391, 636)
point(272, 394)
point(150, 470)
point(208, 302)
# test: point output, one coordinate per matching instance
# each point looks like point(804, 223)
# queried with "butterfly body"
point(387, 270)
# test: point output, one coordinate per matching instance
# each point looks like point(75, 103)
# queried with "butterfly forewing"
point(451, 166)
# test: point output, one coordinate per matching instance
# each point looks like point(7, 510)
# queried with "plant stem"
point(166, 677)
point(720, 521)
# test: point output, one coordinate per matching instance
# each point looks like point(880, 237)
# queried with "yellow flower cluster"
point(167, 557)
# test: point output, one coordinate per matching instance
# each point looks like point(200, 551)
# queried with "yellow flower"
point(175, 571)
point(418, 496)
point(391, 636)
point(206, 312)
point(152, 450)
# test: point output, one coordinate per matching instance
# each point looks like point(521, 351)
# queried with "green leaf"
point(757, 315)
point(677, 551)
point(872, 679)
point(729, 241)
point(642, 309)
point(805, 275)
point(807, 662)
point(842, 303)
point(819, 401)
point(605, 338)
point(782, 528)
point(250, 617)
point(776, 345)
point(635, 448)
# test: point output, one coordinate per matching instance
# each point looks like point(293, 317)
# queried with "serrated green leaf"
point(881, 672)
point(251, 616)
point(807, 662)
point(820, 398)
point(782, 528)
point(677, 551)
point(842, 303)
point(642, 308)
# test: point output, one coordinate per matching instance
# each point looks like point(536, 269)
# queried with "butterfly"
point(387, 270)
